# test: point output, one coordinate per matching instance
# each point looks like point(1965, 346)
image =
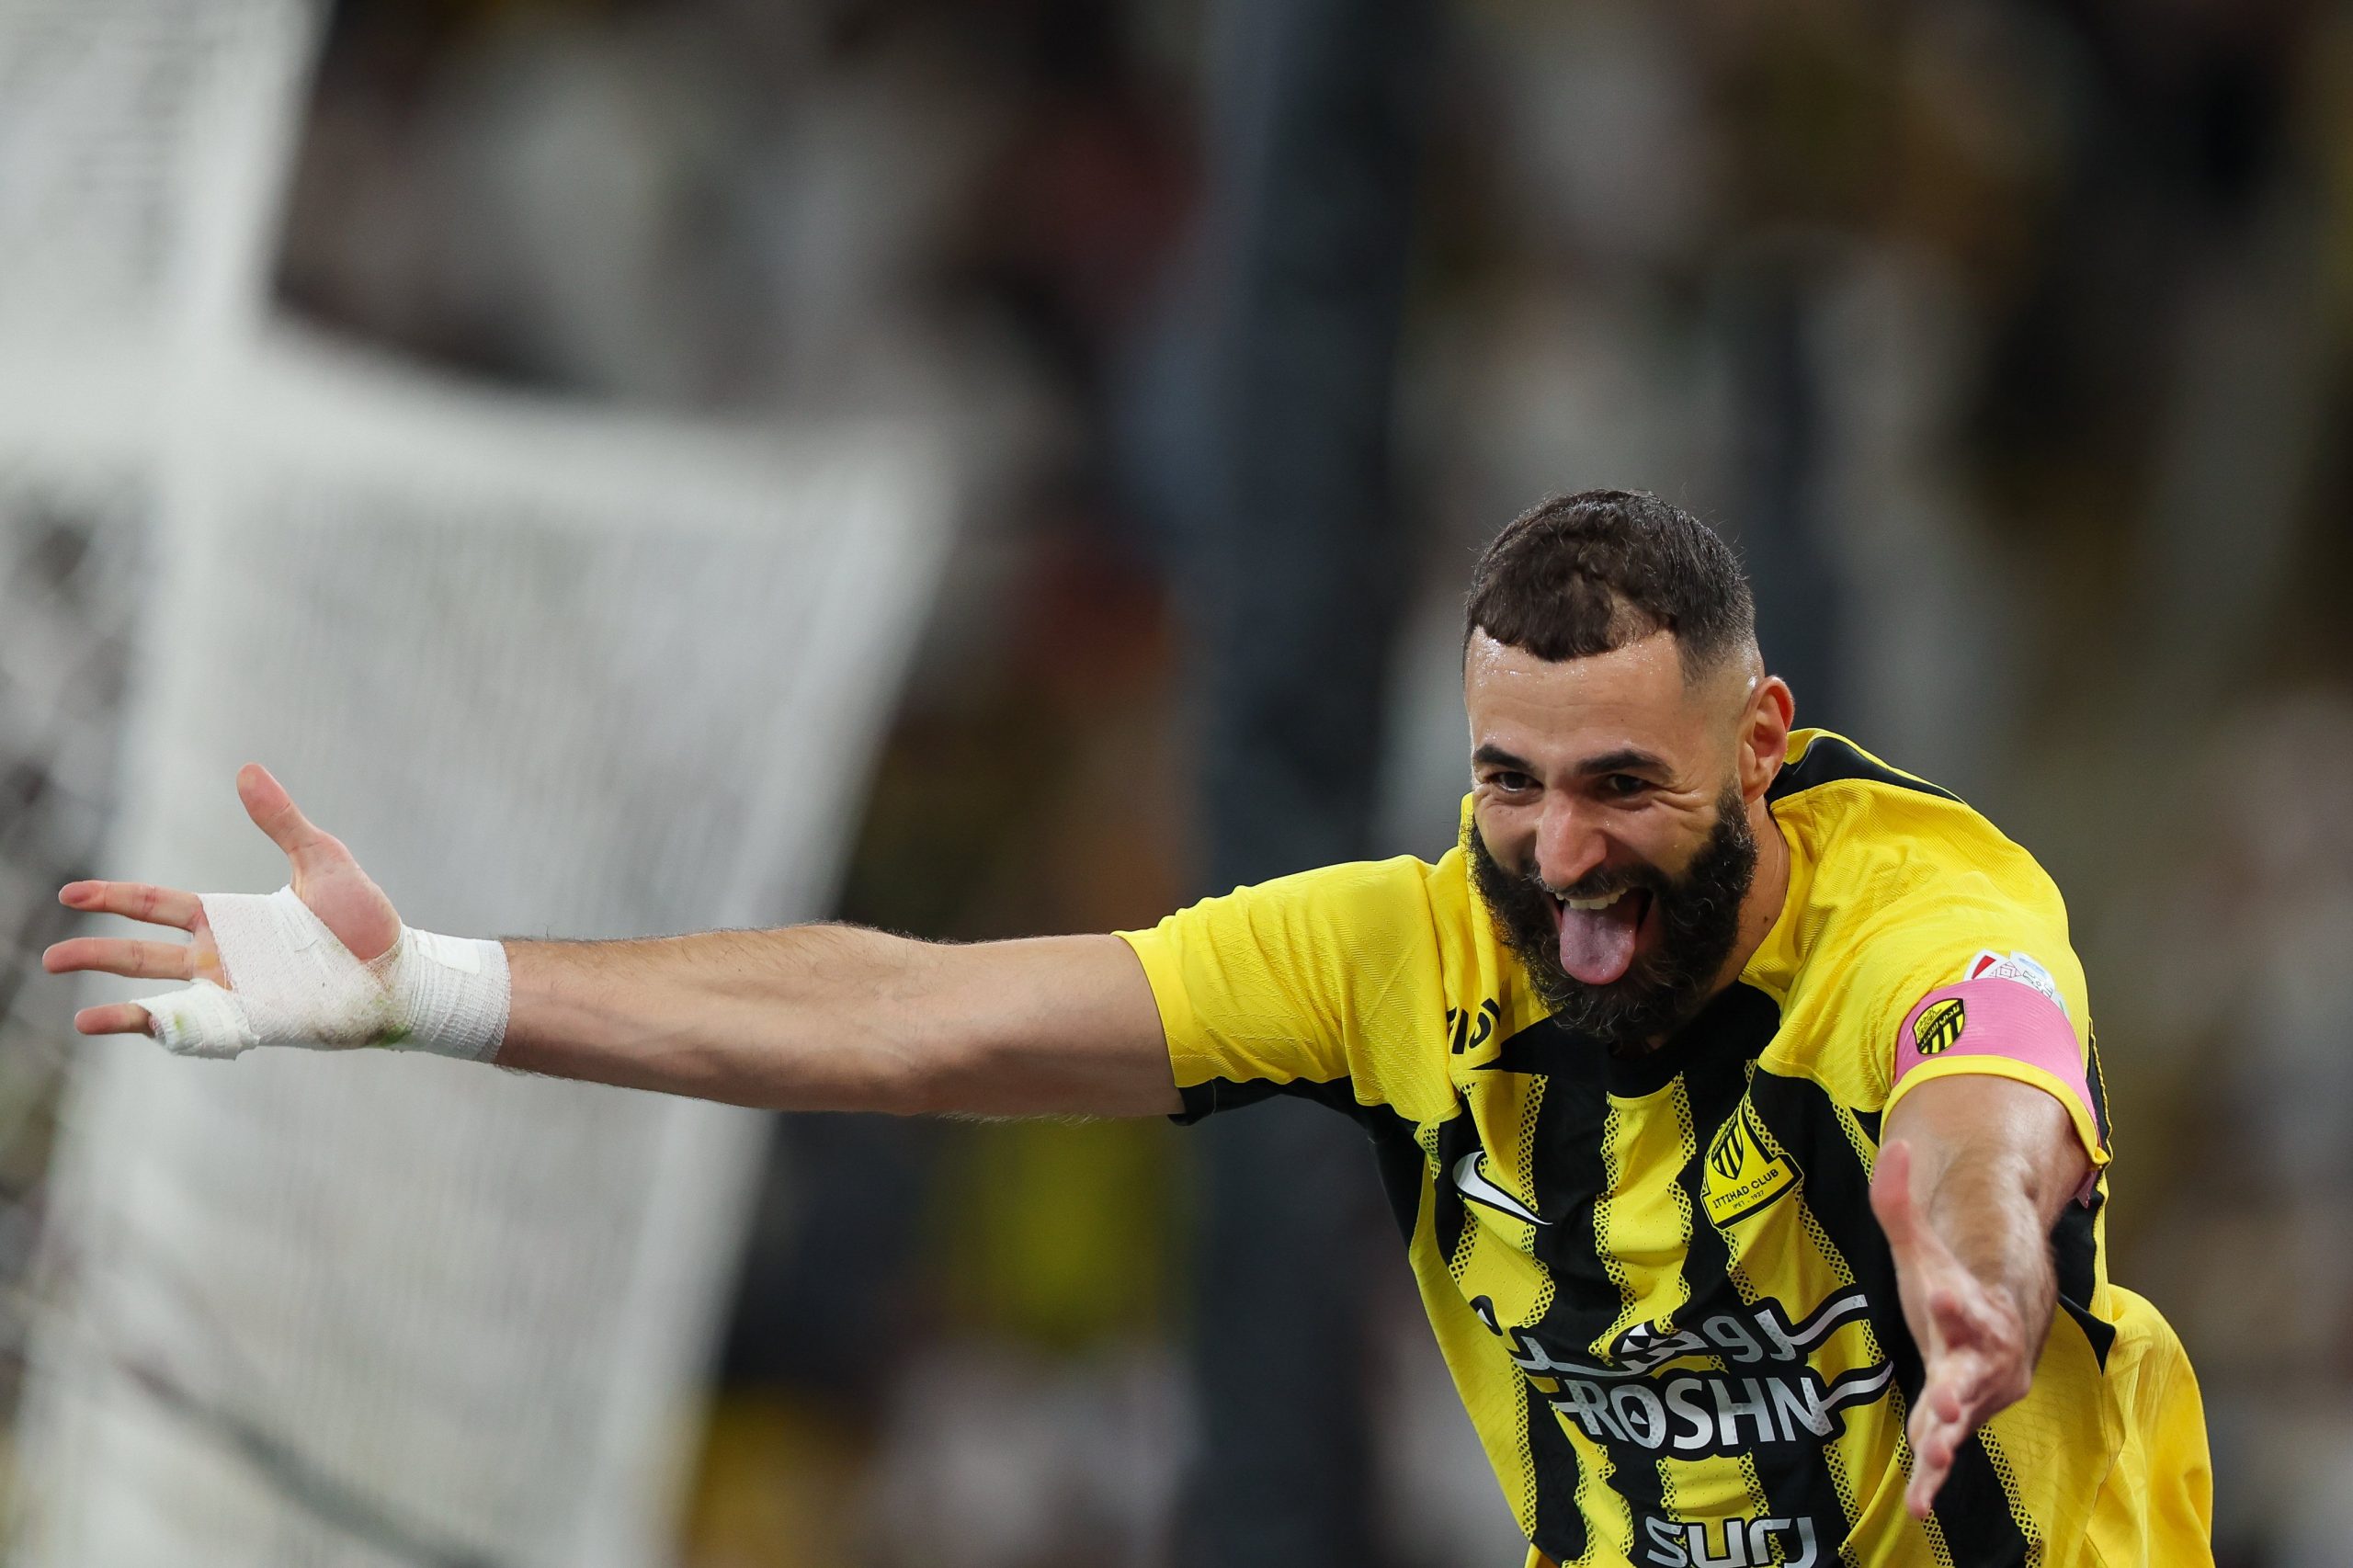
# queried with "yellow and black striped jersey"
point(1657, 1278)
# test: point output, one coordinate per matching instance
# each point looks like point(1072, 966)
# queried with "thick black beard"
point(1699, 920)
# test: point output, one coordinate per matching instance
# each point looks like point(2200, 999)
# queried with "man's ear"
point(1764, 735)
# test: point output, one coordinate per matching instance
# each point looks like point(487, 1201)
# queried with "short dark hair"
point(1581, 574)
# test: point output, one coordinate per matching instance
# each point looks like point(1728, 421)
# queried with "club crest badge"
point(1746, 1170)
point(1937, 1028)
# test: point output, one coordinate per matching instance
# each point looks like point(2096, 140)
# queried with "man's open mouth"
point(1600, 936)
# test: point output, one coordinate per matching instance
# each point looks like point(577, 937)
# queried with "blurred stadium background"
point(987, 468)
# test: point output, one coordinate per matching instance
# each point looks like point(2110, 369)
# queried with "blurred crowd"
point(2003, 334)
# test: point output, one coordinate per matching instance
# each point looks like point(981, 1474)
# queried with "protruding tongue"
point(1596, 945)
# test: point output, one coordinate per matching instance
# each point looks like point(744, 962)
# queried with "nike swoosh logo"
point(1470, 1180)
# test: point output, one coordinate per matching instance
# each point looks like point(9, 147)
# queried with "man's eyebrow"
point(1625, 759)
point(1493, 755)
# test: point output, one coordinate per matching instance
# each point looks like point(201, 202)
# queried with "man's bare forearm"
point(808, 1018)
point(1995, 1210)
point(1971, 1173)
point(837, 1017)
point(1998, 1162)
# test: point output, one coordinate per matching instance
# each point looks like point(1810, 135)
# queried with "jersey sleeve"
point(1983, 984)
point(1281, 988)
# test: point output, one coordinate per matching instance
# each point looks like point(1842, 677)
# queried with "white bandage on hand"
point(291, 982)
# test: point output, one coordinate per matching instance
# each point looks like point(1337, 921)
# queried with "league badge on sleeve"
point(1991, 965)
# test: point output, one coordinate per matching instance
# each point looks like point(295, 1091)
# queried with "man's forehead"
point(1635, 694)
point(1647, 670)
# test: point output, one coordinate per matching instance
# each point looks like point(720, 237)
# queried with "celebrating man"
point(1736, 1092)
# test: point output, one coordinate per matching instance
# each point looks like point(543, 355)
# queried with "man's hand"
point(1978, 1354)
point(325, 877)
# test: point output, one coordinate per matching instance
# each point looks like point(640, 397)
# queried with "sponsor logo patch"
point(1746, 1170)
point(1991, 965)
point(1747, 1543)
point(1934, 1031)
point(1731, 1384)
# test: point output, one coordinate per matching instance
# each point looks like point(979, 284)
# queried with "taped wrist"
point(291, 983)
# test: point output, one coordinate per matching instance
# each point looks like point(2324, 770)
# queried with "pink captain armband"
point(2008, 1028)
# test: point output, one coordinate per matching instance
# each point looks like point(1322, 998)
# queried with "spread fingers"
point(139, 900)
point(129, 957)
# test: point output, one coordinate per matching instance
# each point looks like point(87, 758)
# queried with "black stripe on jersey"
point(1715, 1089)
point(2098, 1087)
point(1566, 1172)
point(1571, 1169)
point(1975, 1511)
point(1560, 1533)
point(1830, 758)
point(2075, 1249)
point(2074, 1244)
point(1795, 1477)
point(1395, 1152)
point(1973, 1508)
point(1564, 1165)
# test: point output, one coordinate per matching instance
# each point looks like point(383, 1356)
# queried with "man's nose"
point(1570, 845)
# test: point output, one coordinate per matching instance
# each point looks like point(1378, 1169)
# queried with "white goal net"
point(550, 672)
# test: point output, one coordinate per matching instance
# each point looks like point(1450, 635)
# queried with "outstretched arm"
point(1972, 1173)
point(808, 1018)
point(834, 1018)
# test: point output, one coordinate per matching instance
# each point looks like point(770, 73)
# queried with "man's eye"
point(1624, 784)
point(1511, 783)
